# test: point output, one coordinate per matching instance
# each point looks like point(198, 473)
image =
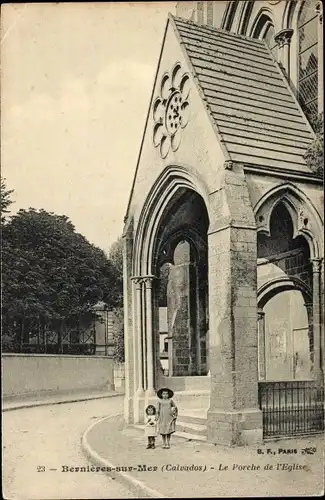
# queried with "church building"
point(223, 236)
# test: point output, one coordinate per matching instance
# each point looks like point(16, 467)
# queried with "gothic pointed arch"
point(288, 14)
point(305, 218)
point(308, 34)
point(245, 17)
point(171, 181)
point(263, 27)
point(262, 20)
point(229, 15)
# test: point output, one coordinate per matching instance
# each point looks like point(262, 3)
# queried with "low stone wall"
point(26, 375)
point(119, 377)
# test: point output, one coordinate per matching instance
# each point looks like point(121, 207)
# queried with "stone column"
point(234, 417)
point(129, 338)
point(319, 10)
point(143, 333)
point(317, 319)
point(139, 398)
point(283, 39)
point(261, 344)
point(148, 281)
point(138, 329)
point(180, 324)
point(322, 313)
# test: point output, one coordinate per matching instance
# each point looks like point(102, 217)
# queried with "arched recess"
point(305, 218)
point(170, 181)
point(263, 28)
point(229, 15)
point(245, 17)
point(281, 284)
point(307, 26)
point(262, 20)
point(289, 238)
point(288, 14)
point(285, 314)
point(176, 215)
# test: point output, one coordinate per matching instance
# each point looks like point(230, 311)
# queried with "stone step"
point(190, 437)
point(192, 400)
point(193, 416)
point(190, 428)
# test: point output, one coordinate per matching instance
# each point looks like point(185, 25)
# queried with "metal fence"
point(83, 336)
point(292, 408)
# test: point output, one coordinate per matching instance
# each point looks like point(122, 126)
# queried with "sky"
point(76, 83)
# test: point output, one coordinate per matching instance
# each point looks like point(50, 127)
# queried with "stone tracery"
point(171, 110)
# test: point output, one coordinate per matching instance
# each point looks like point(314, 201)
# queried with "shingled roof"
point(257, 117)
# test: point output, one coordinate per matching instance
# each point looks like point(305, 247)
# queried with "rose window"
point(171, 110)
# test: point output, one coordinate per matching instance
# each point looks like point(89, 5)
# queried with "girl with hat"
point(167, 414)
point(150, 427)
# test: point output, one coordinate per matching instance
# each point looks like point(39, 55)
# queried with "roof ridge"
point(218, 30)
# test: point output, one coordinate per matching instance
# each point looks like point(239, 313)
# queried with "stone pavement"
point(198, 469)
point(18, 402)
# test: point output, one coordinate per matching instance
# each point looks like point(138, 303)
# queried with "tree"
point(51, 273)
point(314, 155)
point(118, 335)
point(116, 256)
point(5, 200)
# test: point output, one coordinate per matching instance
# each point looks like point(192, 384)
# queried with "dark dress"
point(167, 414)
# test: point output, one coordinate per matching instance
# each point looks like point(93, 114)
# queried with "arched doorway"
point(284, 274)
point(181, 305)
point(167, 291)
point(291, 401)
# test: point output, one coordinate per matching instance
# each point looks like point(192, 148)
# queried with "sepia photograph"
point(162, 249)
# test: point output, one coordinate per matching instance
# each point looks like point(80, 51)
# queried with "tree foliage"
point(51, 272)
point(5, 200)
point(118, 335)
point(314, 155)
point(116, 256)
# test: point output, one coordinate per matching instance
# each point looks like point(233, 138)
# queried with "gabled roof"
point(256, 114)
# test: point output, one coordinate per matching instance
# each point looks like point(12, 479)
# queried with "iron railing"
point(82, 336)
point(293, 408)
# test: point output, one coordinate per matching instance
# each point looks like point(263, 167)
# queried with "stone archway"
point(181, 250)
point(160, 227)
point(290, 251)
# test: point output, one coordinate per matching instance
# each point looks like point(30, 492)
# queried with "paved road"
point(50, 437)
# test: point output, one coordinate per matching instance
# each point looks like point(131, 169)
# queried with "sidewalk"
point(18, 403)
point(160, 473)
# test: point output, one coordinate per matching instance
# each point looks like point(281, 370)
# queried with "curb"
point(21, 406)
point(139, 488)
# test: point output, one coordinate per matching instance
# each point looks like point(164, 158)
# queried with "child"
point(167, 413)
point(150, 426)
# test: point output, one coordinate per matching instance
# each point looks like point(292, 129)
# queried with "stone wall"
point(26, 375)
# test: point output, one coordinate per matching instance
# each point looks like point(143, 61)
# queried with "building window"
point(308, 59)
point(200, 12)
point(264, 30)
point(210, 13)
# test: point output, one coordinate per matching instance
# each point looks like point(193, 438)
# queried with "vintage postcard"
point(162, 249)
